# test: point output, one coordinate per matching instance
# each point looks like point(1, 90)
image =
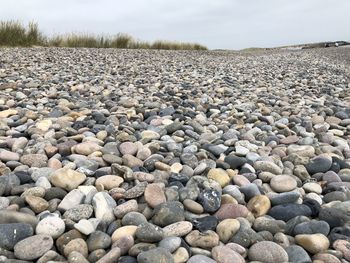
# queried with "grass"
point(14, 33)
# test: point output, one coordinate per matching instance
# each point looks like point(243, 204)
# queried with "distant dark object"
point(326, 44)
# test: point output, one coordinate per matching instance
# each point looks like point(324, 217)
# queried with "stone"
point(283, 183)
point(112, 256)
point(8, 216)
point(33, 247)
point(156, 255)
point(207, 239)
point(259, 205)
point(51, 225)
point(154, 195)
point(297, 254)
point(219, 175)
point(34, 160)
point(313, 243)
point(312, 227)
point(37, 204)
point(84, 226)
point(235, 161)
point(7, 156)
point(231, 211)
point(193, 206)
point(129, 206)
point(168, 213)
point(86, 148)
point(103, 205)
point(224, 254)
point(78, 245)
point(200, 259)
point(267, 166)
point(319, 164)
point(177, 229)
point(83, 211)
point(149, 233)
point(344, 247)
point(67, 179)
point(181, 255)
point(325, 257)
point(11, 234)
point(109, 181)
point(288, 211)
point(65, 238)
point(76, 257)
point(272, 252)
point(72, 199)
point(210, 199)
point(227, 228)
point(124, 231)
point(98, 240)
point(170, 243)
point(205, 223)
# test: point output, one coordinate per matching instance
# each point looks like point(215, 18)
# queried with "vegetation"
point(14, 33)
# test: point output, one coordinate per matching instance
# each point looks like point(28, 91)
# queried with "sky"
point(218, 24)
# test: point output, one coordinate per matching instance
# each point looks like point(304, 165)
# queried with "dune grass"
point(14, 33)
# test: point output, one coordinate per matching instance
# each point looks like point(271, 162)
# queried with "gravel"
point(111, 155)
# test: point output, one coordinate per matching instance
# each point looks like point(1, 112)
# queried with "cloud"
point(229, 24)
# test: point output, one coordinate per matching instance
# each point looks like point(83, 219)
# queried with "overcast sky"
point(228, 24)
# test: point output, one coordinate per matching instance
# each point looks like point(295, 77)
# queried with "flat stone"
point(33, 247)
point(272, 252)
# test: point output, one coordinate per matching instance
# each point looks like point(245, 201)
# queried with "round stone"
point(170, 243)
point(272, 252)
point(219, 175)
point(98, 240)
point(224, 254)
point(313, 243)
point(227, 228)
point(52, 226)
point(206, 240)
point(154, 195)
point(259, 205)
point(283, 183)
point(319, 164)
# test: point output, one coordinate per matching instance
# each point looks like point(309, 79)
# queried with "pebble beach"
point(113, 155)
